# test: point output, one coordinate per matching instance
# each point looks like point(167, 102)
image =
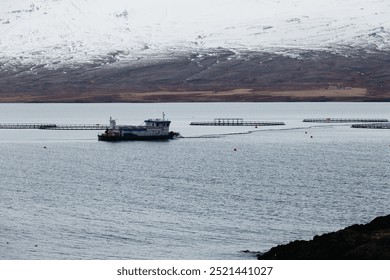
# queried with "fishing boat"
point(151, 129)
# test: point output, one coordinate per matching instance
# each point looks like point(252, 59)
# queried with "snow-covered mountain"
point(107, 46)
point(53, 32)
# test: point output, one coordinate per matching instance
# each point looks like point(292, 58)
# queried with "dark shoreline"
point(357, 242)
point(236, 95)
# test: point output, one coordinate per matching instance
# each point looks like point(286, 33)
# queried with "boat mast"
point(112, 123)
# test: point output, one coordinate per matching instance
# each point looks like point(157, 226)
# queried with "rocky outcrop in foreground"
point(357, 242)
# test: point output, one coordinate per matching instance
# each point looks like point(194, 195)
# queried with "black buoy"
point(235, 149)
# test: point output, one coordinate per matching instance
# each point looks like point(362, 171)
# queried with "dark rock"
point(357, 242)
point(250, 252)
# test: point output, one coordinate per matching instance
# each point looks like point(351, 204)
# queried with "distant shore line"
point(236, 95)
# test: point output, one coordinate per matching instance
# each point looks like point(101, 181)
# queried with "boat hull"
point(134, 137)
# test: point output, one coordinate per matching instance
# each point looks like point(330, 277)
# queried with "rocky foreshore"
point(357, 242)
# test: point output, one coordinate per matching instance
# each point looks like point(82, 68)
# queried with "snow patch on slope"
point(58, 32)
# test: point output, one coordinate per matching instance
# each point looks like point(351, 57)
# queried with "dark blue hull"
point(133, 137)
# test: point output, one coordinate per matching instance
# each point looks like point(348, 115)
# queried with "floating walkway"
point(336, 120)
point(49, 126)
point(235, 122)
point(372, 125)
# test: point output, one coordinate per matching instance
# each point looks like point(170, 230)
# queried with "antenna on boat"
point(163, 116)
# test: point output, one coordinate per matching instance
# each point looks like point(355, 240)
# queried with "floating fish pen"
point(25, 125)
point(372, 125)
point(235, 122)
point(341, 120)
point(47, 126)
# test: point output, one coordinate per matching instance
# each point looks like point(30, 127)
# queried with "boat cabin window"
point(157, 124)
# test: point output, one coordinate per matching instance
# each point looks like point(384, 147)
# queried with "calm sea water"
point(191, 198)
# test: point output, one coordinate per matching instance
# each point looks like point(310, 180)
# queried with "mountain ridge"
point(123, 47)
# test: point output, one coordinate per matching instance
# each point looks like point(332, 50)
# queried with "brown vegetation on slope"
point(217, 76)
